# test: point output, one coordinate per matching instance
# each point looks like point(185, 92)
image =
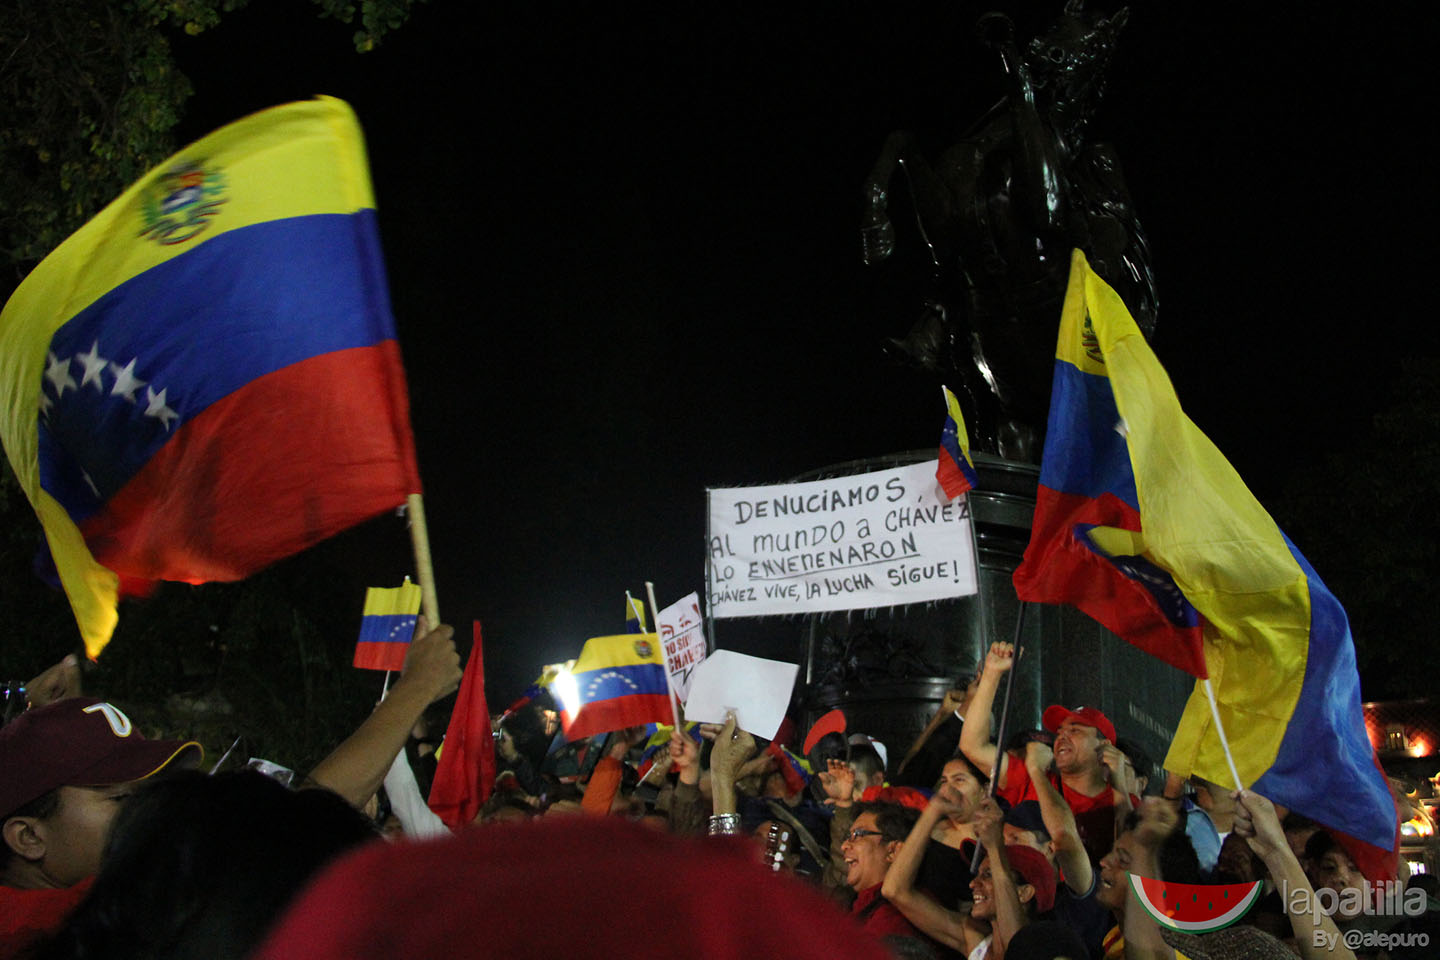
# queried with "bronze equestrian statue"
point(997, 215)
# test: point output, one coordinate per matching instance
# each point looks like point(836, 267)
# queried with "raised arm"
point(1121, 777)
point(953, 704)
point(946, 926)
point(732, 748)
point(357, 767)
point(838, 780)
point(687, 806)
point(1158, 819)
point(1256, 821)
point(975, 736)
point(1009, 914)
point(1059, 819)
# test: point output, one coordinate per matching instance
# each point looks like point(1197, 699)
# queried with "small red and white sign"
point(682, 642)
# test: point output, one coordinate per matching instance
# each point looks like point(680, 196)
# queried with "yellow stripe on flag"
point(1203, 525)
point(391, 601)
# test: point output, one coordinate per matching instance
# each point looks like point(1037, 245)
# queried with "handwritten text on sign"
point(871, 540)
point(683, 642)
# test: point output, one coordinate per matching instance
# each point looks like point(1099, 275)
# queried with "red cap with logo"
point(79, 742)
point(1089, 716)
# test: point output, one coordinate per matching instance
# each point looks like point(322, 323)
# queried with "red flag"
point(466, 772)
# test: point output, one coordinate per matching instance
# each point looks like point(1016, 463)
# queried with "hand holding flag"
point(1141, 522)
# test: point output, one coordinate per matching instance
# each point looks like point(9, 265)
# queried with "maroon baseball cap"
point(1035, 870)
point(1089, 716)
point(79, 742)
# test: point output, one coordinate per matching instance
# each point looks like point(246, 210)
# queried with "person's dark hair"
point(527, 730)
point(504, 801)
point(1178, 861)
point(1320, 843)
point(981, 775)
point(1296, 821)
point(199, 867)
point(892, 820)
point(865, 760)
point(832, 746)
point(1427, 882)
point(1139, 759)
point(1017, 741)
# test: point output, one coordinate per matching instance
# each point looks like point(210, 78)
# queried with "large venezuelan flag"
point(1276, 641)
point(1087, 499)
point(616, 682)
point(204, 378)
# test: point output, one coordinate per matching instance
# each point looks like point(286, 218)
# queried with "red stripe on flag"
point(282, 463)
point(1058, 568)
point(380, 656)
point(617, 713)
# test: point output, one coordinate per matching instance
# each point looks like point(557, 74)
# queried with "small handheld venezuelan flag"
point(616, 682)
point(955, 471)
point(387, 625)
point(634, 614)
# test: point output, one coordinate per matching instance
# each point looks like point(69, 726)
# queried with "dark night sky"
point(624, 251)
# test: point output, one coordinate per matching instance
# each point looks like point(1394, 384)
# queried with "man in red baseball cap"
point(64, 770)
point(1084, 762)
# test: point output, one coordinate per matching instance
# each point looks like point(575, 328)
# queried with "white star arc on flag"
point(126, 385)
point(126, 382)
point(609, 675)
point(158, 409)
point(94, 365)
point(58, 373)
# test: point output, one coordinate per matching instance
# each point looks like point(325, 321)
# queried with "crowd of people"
point(704, 840)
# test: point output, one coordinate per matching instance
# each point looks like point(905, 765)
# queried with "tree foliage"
point(89, 97)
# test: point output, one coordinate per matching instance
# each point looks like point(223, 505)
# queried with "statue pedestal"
point(889, 668)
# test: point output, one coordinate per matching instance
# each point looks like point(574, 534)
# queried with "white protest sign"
point(758, 690)
point(682, 641)
point(871, 540)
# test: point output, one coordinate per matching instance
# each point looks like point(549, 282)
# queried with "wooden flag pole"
point(669, 687)
point(424, 571)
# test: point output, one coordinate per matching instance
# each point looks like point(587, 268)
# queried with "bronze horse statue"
point(997, 215)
